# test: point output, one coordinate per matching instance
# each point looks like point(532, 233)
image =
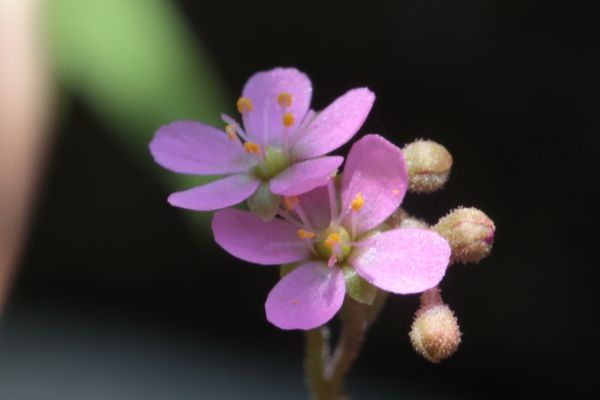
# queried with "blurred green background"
point(121, 296)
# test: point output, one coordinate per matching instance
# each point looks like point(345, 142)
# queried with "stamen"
point(346, 208)
point(289, 202)
point(332, 199)
point(284, 99)
point(244, 105)
point(300, 211)
point(357, 202)
point(332, 240)
point(283, 245)
point(238, 128)
point(288, 119)
point(289, 218)
point(231, 132)
point(251, 147)
point(304, 234)
point(265, 127)
point(301, 130)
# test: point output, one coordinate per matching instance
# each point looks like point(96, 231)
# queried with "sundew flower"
point(278, 150)
point(333, 241)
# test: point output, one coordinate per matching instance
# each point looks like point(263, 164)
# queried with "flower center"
point(334, 241)
point(273, 162)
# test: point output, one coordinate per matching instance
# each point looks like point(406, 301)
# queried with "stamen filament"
point(283, 245)
point(231, 133)
point(300, 211)
point(230, 121)
point(332, 198)
point(265, 127)
point(307, 236)
point(301, 130)
point(288, 120)
point(289, 218)
point(290, 202)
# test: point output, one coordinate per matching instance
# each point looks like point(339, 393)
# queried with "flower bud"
point(435, 333)
point(428, 165)
point(469, 232)
point(401, 219)
point(264, 203)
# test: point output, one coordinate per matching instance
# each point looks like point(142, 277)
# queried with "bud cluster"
point(435, 333)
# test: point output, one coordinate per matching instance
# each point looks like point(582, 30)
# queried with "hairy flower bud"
point(401, 219)
point(435, 333)
point(428, 165)
point(469, 232)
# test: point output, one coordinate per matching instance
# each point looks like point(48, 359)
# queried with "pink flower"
point(281, 144)
point(326, 235)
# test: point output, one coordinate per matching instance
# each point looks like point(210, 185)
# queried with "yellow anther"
point(288, 119)
point(332, 240)
point(289, 202)
point(230, 130)
point(396, 191)
point(251, 147)
point(244, 105)
point(302, 234)
point(284, 99)
point(358, 202)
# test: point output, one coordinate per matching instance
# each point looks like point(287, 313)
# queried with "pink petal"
point(315, 205)
point(245, 236)
point(374, 168)
point(190, 147)
point(222, 193)
point(335, 125)
point(402, 261)
point(307, 297)
point(264, 123)
point(305, 175)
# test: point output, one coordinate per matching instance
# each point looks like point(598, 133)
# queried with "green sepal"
point(358, 288)
point(264, 203)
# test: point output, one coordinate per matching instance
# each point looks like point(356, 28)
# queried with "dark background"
point(115, 287)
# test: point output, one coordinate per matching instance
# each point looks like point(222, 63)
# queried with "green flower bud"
point(428, 165)
point(264, 203)
point(435, 333)
point(358, 288)
point(401, 219)
point(469, 232)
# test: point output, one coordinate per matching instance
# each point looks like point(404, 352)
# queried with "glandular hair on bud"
point(435, 333)
point(469, 232)
point(428, 164)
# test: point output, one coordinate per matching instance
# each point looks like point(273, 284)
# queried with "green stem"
point(326, 373)
point(354, 326)
point(316, 357)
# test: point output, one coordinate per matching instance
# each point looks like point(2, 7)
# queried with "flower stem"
point(326, 373)
point(317, 354)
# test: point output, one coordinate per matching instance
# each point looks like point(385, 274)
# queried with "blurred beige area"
point(23, 124)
